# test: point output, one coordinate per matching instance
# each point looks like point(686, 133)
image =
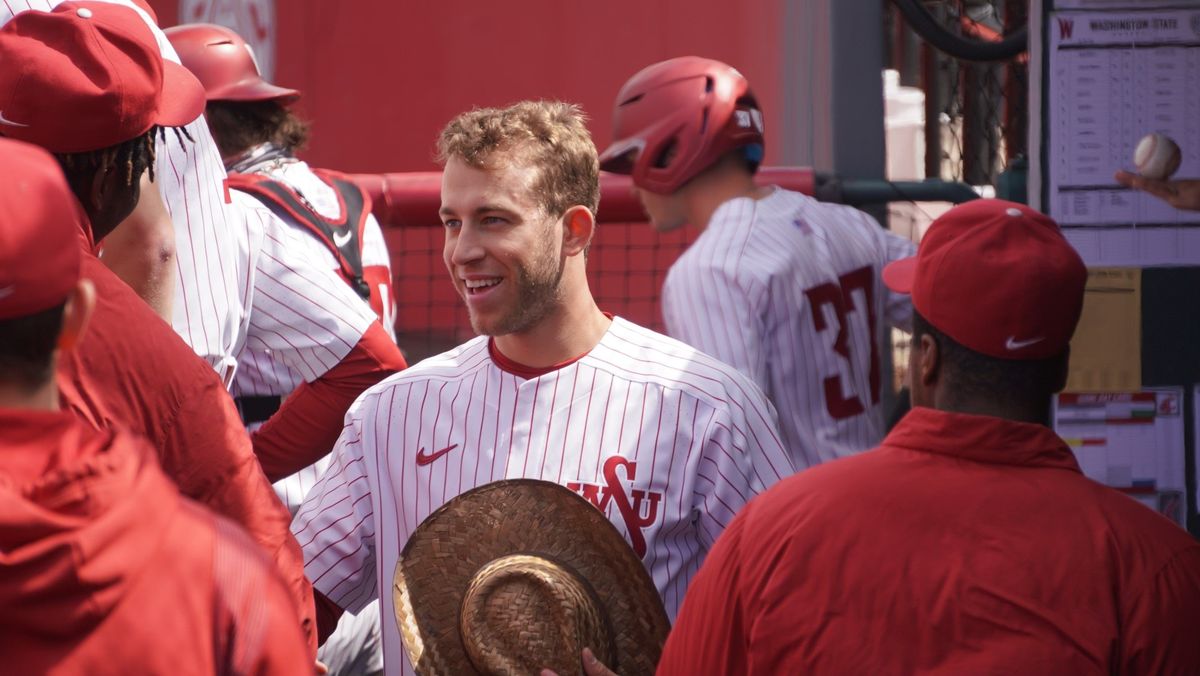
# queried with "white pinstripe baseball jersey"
point(787, 290)
point(261, 373)
point(304, 319)
point(667, 441)
point(323, 198)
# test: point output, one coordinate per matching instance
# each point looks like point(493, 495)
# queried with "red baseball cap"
point(87, 76)
point(997, 277)
point(40, 223)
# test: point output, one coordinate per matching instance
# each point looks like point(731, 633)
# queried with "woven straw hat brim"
point(520, 516)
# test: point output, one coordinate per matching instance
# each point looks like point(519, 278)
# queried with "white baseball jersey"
point(324, 199)
point(787, 289)
point(261, 372)
point(304, 319)
point(667, 441)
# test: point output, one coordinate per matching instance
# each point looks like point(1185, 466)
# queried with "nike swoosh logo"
point(1014, 344)
point(5, 120)
point(340, 240)
point(424, 458)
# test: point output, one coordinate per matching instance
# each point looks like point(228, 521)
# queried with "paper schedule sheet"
point(1113, 78)
point(1132, 441)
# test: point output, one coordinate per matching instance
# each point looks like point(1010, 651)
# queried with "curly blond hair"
point(550, 135)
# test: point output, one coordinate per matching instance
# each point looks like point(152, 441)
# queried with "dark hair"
point(238, 126)
point(27, 345)
point(971, 375)
point(134, 157)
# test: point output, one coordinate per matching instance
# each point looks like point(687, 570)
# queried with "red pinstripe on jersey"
point(787, 290)
point(229, 297)
point(669, 442)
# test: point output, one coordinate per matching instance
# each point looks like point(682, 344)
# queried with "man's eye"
point(492, 220)
point(452, 223)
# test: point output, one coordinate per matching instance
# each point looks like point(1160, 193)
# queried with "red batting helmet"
point(224, 64)
point(679, 117)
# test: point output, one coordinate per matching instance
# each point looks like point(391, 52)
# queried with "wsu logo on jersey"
point(638, 508)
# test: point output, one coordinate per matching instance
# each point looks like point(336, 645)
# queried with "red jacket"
point(105, 569)
point(962, 545)
point(131, 370)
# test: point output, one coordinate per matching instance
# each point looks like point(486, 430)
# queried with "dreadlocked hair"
point(133, 157)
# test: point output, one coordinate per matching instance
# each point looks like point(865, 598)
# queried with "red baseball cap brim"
point(900, 274)
point(182, 96)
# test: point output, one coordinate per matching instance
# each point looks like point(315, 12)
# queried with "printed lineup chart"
point(1132, 441)
point(1114, 77)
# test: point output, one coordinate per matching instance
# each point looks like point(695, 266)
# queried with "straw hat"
point(521, 575)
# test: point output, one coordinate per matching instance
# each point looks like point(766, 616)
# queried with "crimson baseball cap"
point(87, 76)
point(40, 222)
point(998, 278)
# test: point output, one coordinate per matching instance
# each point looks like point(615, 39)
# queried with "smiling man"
point(666, 441)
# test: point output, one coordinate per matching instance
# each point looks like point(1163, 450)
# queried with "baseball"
point(1157, 156)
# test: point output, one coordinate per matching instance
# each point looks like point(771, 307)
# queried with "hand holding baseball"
point(1180, 193)
point(1157, 157)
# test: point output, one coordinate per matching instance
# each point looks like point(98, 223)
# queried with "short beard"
point(538, 293)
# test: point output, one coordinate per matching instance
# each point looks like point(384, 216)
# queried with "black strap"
point(257, 408)
point(284, 201)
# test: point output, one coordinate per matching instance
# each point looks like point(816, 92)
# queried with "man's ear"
point(76, 314)
point(929, 364)
point(579, 224)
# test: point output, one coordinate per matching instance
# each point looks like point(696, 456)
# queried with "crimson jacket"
point(105, 569)
point(131, 370)
point(962, 545)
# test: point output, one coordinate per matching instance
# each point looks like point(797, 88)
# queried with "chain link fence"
point(975, 114)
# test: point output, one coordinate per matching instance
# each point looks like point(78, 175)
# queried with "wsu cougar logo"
point(636, 511)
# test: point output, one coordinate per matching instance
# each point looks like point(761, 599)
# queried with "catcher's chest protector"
point(343, 237)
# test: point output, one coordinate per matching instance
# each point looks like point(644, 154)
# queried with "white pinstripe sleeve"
point(742, 456)
point(301, 311)
point(708, 307)
point(336, 526)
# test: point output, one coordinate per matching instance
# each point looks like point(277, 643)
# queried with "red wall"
point(381, 77)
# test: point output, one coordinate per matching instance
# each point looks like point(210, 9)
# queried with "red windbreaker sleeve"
point(328, 615)
point(306, 427)
point(213, 463)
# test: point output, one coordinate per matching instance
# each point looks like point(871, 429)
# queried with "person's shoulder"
point(1131, 523)
point(639, 353)
point(130, 332)
point(833, 488)
point(455, 364)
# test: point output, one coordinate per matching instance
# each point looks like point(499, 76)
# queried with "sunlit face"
point(664, 211)
point(503, 252)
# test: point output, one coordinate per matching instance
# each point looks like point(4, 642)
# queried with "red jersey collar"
point(982, 439)
point(529, 372)
point(522, 371)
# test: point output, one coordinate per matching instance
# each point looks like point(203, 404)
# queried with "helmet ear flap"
point(654, 165)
